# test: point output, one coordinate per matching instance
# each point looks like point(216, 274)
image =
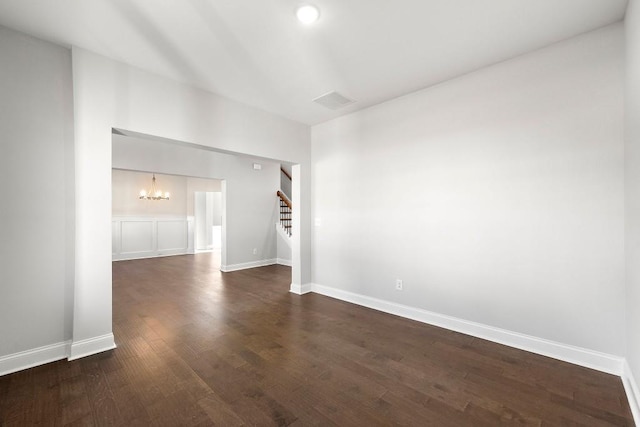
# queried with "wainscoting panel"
point(147, 237)
point(172, 235)
point(136, 236)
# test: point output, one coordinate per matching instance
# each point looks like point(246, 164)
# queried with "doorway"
point(208, 222)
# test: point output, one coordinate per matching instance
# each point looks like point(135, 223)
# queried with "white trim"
point(91, 346)
point(580, 356)
point(147, 255)
point(300, 289)
point(35, 357)
point(202, 251)
point(633, 392)
point(283, 261)
point(154, 250)
point(246, 265)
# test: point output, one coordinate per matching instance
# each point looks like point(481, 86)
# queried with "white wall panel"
point(137, 237)
point(172, 235)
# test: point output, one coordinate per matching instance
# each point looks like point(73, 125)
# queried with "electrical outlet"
point(398, 284)
point(255, 251)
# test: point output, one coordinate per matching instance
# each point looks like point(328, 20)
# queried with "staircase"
point(285, 212)
point(284, 227)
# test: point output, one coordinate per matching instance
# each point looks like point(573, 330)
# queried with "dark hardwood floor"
point(200, 347)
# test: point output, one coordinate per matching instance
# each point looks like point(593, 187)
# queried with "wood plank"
point(201, 347)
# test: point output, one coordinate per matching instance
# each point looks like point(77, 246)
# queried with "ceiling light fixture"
point(153, 194)
point(307, 13)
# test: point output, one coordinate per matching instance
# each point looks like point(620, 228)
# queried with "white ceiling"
point(254, 51)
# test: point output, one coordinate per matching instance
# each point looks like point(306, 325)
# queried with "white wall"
point(107, 95)
point(285, 183)
point(199, 184)
point(632, 191)
point(283, 250)
point(497, 197)
point(251, 208)
point(204, 220)
point(36, 212)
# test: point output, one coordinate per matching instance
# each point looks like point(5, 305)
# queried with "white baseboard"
point(202, 251)
point(35, 357)
point(91, 346)
point(579, 356)
point(633, 392)
point(146, 255)
point(300, 289)
point(245, 265)
point(282, 261)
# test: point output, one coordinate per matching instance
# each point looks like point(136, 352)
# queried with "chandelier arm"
point(153, 194)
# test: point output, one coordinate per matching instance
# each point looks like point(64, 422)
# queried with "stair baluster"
point(285, 212)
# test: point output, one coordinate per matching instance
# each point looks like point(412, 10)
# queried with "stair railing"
point(285, 212)
point(285, 173)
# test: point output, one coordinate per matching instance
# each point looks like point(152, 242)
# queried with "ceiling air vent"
point(333, 100)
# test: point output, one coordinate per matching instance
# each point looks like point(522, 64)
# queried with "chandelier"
point(153, 194)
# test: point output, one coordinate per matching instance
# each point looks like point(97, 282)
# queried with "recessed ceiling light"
point(307, 13)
